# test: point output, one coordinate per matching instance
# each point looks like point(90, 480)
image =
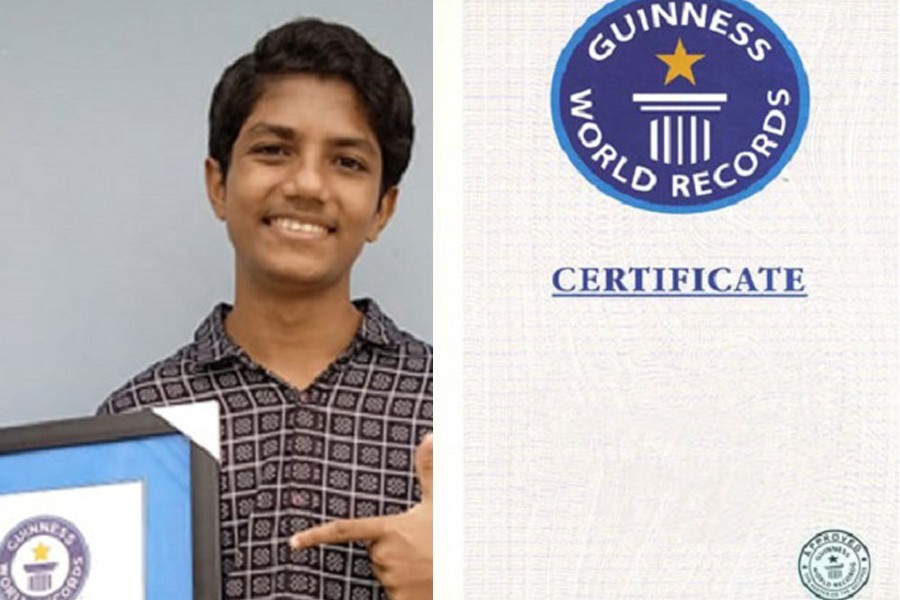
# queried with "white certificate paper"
point(690, 444)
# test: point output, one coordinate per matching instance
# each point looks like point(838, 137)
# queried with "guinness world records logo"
point(679, 106)
point(43, 558)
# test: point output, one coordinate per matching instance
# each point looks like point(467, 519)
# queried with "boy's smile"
point(299, 227)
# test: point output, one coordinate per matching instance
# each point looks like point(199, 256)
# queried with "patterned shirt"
point(291, 459)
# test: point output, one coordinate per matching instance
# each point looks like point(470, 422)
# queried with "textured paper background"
point(649, 449)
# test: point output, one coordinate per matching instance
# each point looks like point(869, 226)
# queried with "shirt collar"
point(376, 327)
point(212, 344)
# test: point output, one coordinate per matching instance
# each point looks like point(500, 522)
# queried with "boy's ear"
point(215, 187)
point(386, 206)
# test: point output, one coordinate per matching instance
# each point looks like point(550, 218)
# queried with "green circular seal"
point(834, 565)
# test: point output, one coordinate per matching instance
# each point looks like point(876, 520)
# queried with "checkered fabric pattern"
point(291, 459)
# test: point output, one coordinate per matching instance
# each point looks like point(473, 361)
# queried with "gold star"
point(41, 551)
point(680, 63)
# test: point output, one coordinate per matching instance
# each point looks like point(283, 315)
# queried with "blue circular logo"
point(680, 106)
point(43, 558)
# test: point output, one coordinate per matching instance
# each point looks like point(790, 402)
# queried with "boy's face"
point(301, 196)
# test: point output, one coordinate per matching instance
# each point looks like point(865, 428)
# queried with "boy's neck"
point(296, 336)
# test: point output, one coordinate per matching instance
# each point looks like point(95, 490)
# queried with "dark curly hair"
point(325, 49)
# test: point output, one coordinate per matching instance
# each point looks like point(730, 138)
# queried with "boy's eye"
point(271, 150)
point(348, 162)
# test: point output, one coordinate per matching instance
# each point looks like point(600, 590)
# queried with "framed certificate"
point(119, 506)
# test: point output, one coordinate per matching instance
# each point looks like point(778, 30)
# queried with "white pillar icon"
point(680, 136)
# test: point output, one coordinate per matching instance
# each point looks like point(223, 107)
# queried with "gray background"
point(109, 254)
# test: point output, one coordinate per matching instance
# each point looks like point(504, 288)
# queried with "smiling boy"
point(323, 400)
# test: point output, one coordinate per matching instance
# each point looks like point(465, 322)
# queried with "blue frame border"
point(803, 116)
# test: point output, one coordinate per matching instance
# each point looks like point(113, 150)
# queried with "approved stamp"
point(834, 565)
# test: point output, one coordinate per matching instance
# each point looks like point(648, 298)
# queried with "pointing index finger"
point(340, 532)
point(425, 465)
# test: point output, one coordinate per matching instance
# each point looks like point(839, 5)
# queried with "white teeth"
point(293, 225)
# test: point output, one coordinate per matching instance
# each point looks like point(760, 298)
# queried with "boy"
point(323, 400)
